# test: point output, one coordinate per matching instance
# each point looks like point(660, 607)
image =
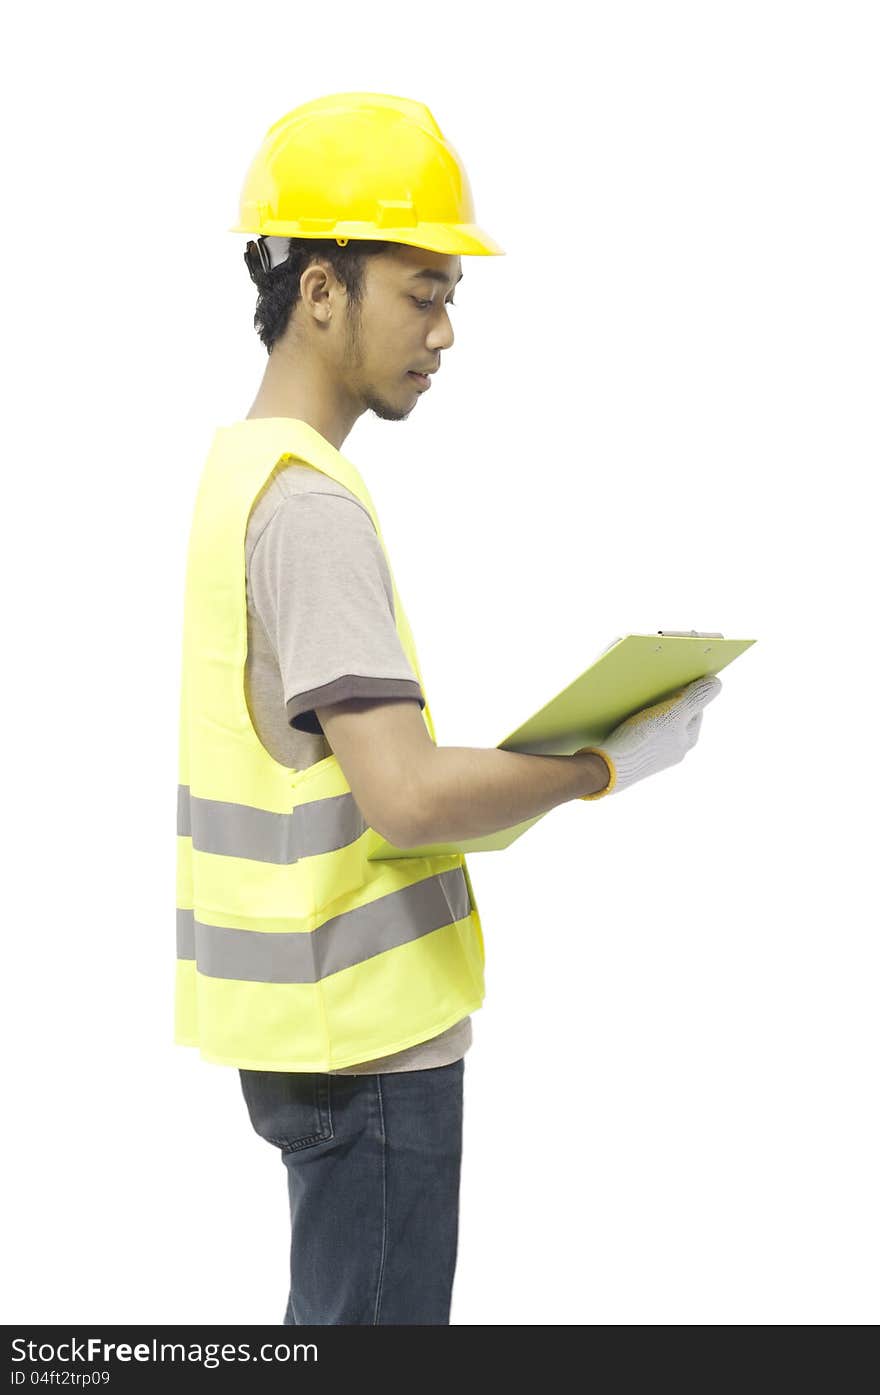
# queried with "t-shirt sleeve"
point(320, 585)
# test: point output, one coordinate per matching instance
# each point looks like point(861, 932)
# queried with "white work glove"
point(654, 737)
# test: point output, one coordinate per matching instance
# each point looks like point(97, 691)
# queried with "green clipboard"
point(630, 674)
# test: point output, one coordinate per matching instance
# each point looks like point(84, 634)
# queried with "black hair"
point(279, 287)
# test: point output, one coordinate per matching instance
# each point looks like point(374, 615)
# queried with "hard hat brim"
point(467, 239)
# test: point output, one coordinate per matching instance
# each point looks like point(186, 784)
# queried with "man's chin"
point(387, 411)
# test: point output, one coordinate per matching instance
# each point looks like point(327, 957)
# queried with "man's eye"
point(424, 304)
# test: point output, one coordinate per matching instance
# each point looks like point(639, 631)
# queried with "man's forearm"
point(467, 791)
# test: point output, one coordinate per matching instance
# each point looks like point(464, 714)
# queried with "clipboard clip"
point(695, 634)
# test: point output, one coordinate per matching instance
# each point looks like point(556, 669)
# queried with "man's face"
point(403, 323)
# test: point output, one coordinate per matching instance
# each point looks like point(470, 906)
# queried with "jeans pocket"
point(290, 1109)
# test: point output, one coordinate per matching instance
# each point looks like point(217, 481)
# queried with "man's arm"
point(413, 792)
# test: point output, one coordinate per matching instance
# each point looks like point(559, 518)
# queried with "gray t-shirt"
point(321, 628)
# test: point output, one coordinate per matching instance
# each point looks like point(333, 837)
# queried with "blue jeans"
point(373, 1167)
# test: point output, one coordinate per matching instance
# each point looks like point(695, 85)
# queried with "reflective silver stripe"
point(186, 935)
point(183, 827)
point(258, 956)
point(239, 830)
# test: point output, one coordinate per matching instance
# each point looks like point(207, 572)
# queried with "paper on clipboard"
point(633, 672)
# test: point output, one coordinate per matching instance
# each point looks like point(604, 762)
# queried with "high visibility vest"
point(294, 951)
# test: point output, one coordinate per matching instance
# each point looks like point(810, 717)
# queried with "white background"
point(660, 411)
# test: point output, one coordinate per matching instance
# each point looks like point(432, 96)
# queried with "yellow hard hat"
point(362, 165)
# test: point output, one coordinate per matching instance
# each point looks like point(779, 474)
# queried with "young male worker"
point(341, 988)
